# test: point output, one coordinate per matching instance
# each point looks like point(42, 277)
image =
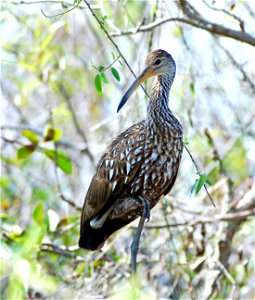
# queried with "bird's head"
point(158, 63)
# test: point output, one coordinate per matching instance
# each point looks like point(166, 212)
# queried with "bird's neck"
point(158, 111)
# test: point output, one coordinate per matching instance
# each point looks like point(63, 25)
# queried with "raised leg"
point(136, 240)
point(97, 223)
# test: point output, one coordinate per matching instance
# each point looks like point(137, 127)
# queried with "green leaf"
point(235, 161)
point(208, 181)
point(194, 187)
point(62, 160)
point(103, 78)
point(51, 134)
point(38, 215)
point(186, 141)
point(26, 151)
point(31, 136)
point(100, 68)
point(201, 181)
point(116, 74)
point(192, 88)
point(98, 85)
point(64, 5)
point(154, 10)
point(27, 66)
point(177, 32)
point(46, 41)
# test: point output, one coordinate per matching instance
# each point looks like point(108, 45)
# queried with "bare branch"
point(198, 22)
point(80, 147)
point(241, 22)
point(70, 202)
point(242, 215)
point(62, 251)
point(79, 130)
point(239, 67)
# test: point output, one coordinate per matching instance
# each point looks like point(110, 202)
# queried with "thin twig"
point(79, 130)
point(108, 67)
point(199, 173)
point(62, 251)
point(82, 146)
point(112, 41)
point(218, 218)
point(62, 13)
point(241, 22)
point(238, 66)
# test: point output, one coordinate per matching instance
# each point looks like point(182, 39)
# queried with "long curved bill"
point(147, 73)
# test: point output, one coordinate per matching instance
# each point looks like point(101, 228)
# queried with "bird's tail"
point(93, 239)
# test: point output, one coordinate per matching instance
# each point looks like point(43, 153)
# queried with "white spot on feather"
point(133, 161)
point(114, 185)
point(138, 150)
point(154, 156)
point(111, 174)
point(128, 166)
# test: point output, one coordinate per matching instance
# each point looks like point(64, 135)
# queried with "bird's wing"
point(115, 170)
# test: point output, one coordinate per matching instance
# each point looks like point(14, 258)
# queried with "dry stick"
point(208, 220)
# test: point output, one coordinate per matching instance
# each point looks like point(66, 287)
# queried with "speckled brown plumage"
point(142, 161)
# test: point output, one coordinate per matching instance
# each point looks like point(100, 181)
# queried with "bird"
point(140, 165)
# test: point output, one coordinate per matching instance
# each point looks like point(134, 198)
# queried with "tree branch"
point(196, 20)
point(222, 218)
point(199, 23)
point(82, 146)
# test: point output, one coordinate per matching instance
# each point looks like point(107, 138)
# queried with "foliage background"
point(55, 125)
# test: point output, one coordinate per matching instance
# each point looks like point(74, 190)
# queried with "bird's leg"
point(135, 244)
point(146, 208)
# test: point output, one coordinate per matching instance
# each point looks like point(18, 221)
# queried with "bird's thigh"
point(127, 208)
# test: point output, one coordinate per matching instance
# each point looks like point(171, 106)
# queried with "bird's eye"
point(157, 62)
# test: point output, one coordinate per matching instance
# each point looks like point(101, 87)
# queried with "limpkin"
point(140, 164)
